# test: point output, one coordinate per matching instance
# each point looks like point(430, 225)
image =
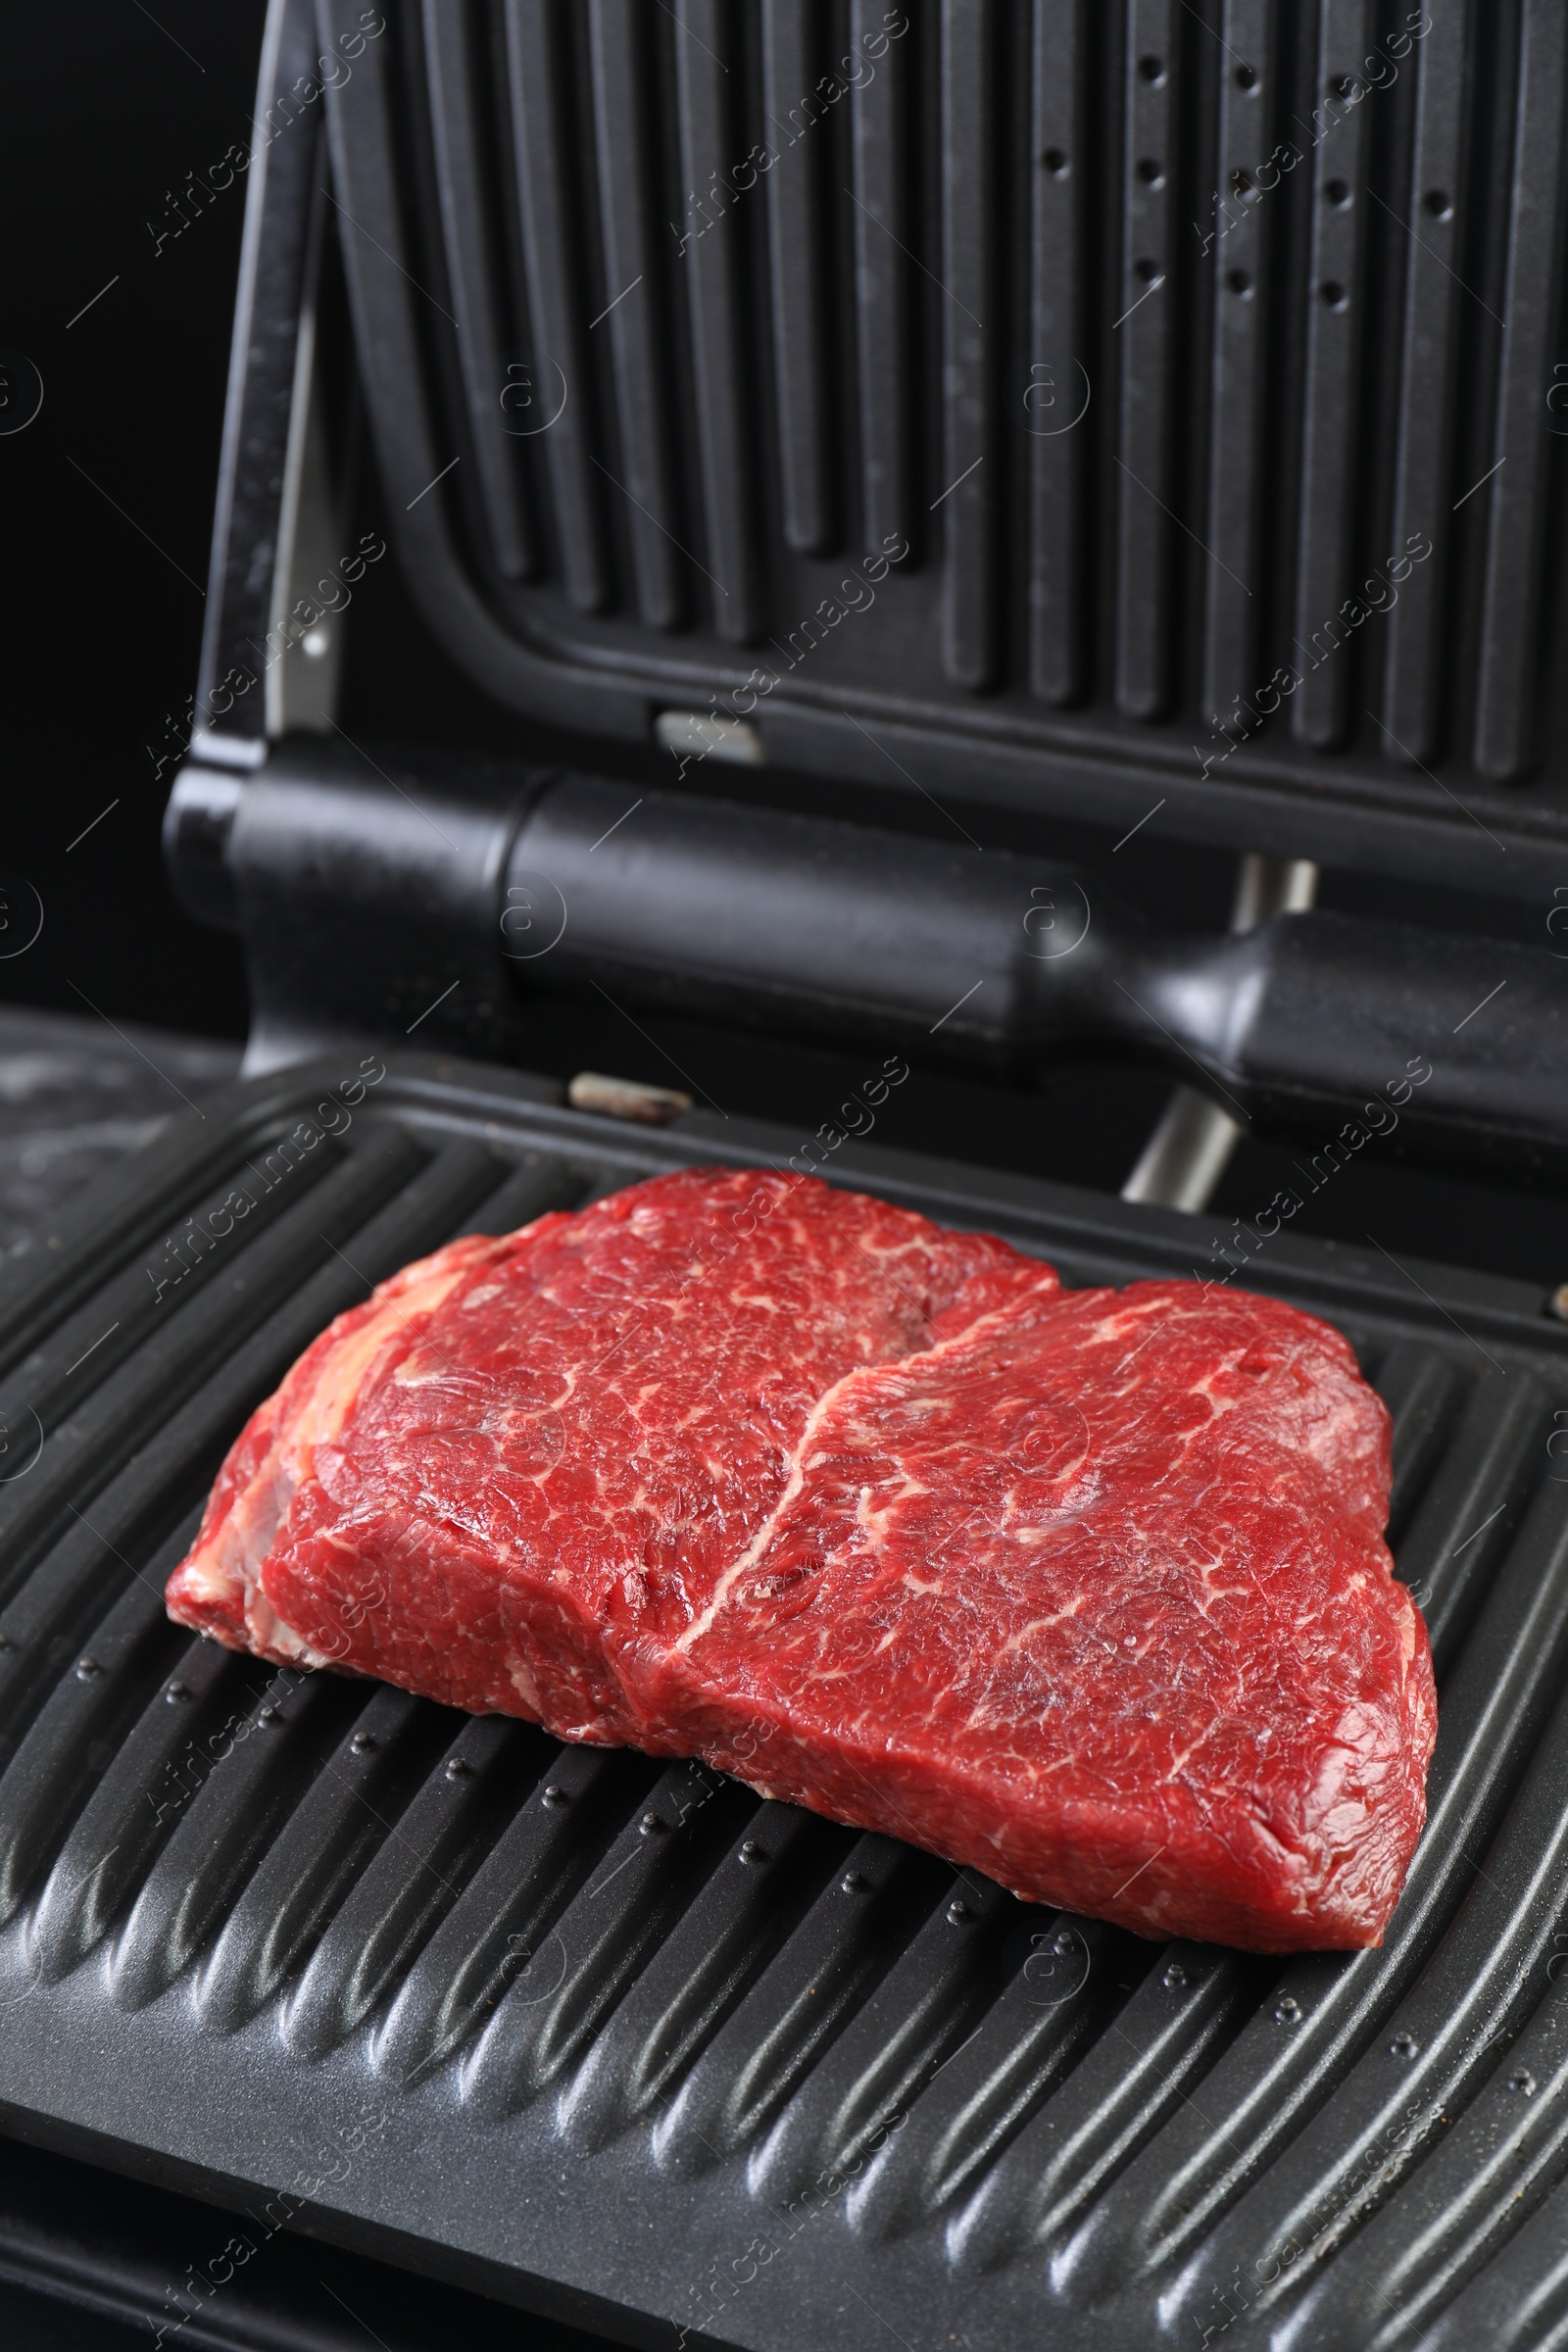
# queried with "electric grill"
point(928, 452)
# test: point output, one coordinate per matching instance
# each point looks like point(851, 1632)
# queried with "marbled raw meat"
point(1095, 1597)
point(1084, 1590)
point(522, 1455)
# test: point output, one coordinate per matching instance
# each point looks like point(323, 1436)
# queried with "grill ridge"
point(349, 1811)
point(1424, 2067)
point(1289, 2056)
point(408, 1887)
point(709, 1960)
point(506, 1915)
point(1204, 293)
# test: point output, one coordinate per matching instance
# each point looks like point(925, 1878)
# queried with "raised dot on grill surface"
point(270, 1715)
point(360, 1742)
point(1287, 2010)
point(1175, 1977)
point(1522, 2079)
point(88, 1668)
point(1403, 2045)
point(750, 1851)
point(458, 1768)
point(649, 1824)
point(555, 1794)
point(176, 1693)
point(855, 1881)
point(958, 1911)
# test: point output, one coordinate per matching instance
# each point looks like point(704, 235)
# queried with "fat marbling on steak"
point(1086, 1589)
point(522, 1454)
point(1094, 1596)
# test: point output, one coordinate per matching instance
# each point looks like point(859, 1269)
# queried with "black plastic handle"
point(364, 891)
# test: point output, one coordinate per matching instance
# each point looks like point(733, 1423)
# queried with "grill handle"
point(362, 891)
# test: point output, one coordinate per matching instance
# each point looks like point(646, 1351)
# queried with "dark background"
point(108, 503)
point(103, 113)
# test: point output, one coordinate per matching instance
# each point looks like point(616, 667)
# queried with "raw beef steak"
point(1094, 1596)
point(522, 1454)
point(1087, 1591)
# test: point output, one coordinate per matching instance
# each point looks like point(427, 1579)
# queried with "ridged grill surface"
point(629, 2031)
point(1181, 348)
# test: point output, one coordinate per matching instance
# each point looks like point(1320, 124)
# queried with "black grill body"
point(852, 430)
point(346, 1961)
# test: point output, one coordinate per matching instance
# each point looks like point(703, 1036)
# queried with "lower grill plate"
point(435, 1995)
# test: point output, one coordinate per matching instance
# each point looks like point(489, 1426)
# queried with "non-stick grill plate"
point(625, 2043)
